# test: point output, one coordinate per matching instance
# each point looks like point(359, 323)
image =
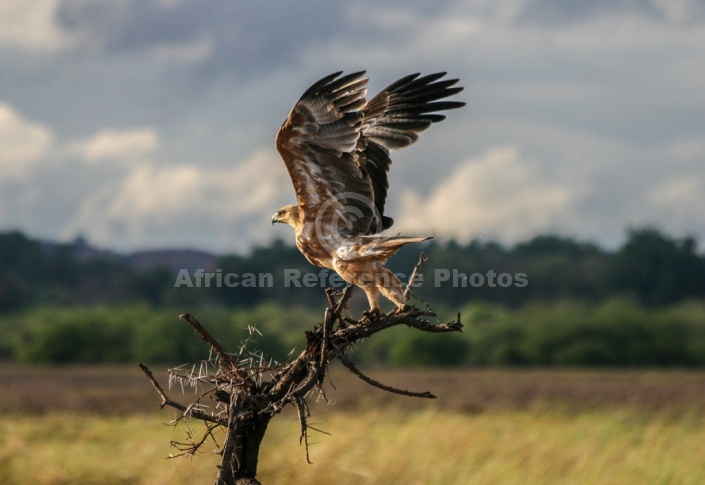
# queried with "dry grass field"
point(103, 426)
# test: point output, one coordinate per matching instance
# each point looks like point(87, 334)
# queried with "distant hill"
point(172, 259)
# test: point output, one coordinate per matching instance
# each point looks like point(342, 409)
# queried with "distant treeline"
point(547, 301)
point(614, 333)
point(650, 268)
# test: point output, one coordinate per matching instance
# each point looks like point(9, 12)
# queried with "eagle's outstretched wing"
point(393, 120)
point(336, 147)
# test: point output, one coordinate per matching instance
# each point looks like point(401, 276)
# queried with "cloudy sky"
point(150, 123)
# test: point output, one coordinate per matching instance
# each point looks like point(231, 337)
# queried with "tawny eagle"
point(336, 148)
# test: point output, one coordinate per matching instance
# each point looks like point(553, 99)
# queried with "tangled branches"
point(243, 391)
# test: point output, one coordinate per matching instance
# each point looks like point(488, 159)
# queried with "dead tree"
point(241, 392)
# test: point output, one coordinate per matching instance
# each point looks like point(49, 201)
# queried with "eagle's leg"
point(390, 287)
point(375, 280)
point(372, 293)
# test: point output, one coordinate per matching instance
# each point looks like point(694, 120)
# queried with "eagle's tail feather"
point(385, 246)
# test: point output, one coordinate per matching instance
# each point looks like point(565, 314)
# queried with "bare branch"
point(330, 296)
point(453, 326)
point(412, 278)
point(346, 362)
point(160, 391)
point(412, 317)
point(209, 339)
point(328, 322)
point(343, 302)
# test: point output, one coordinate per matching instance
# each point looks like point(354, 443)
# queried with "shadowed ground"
point(120, 390)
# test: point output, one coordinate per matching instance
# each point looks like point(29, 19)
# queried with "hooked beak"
point(274, 219)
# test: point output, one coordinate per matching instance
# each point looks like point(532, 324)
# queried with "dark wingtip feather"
point(402, 82)
point(320, 83)
point(434, 118)
point(329, 80)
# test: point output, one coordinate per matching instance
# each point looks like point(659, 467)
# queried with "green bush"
point(423, 350)
point(615, 333)
point(133, 333)
point(164, 338)
point(75, 336)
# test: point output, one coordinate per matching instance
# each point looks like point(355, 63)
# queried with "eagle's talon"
point(373, 315)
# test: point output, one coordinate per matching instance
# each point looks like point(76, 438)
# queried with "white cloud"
point(31, 25)
point(498, 193)
point(185, 204)
point(117, 145)
point(24, 143)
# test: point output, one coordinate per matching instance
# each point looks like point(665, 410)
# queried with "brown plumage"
point(336, 147)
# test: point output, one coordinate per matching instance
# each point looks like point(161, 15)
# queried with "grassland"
point(103, 425)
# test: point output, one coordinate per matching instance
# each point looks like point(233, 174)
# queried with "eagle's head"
point(289, 214)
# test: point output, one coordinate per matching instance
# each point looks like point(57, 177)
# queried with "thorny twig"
point(176, 405)
point(193, 447)
point(303, 412)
